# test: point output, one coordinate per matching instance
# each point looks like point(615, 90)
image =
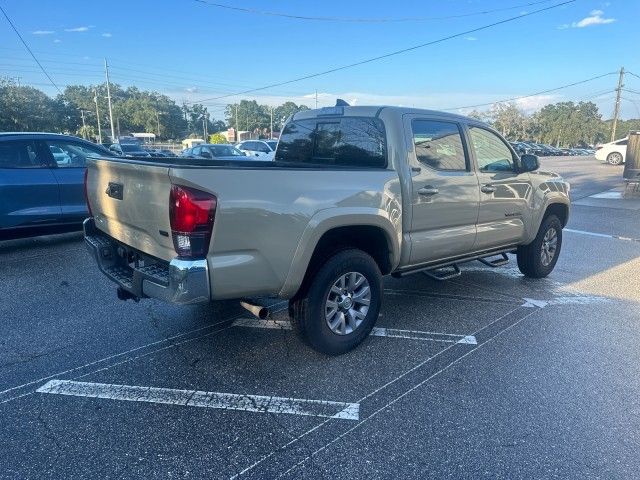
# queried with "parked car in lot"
point(220, 151)
point(41, 180)
point(613, 153)
point(129, 150)
point(258, 148)
point(354, 193)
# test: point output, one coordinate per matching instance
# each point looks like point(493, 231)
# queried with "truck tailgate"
point(130, 202)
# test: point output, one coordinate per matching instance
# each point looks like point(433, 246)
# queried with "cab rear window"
point(344, 142)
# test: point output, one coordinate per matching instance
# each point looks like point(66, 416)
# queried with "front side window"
point(439, 145)
point(20, 154)
point(350, 142)
point(491, 153)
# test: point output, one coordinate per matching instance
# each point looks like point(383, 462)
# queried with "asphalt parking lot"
point(487, 375)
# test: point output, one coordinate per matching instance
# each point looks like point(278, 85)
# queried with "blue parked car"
point(42, 181)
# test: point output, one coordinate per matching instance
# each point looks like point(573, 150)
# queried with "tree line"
point(563, 124)
point(24, 108)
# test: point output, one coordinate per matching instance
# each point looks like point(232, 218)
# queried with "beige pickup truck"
point(354, 193)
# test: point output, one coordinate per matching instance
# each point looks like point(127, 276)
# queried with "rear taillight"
point(192, 213)
point(86, 192)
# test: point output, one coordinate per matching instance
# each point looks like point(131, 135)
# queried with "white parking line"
point(602, 235)
point(419, 335)
point(376, 332)
point(196, 398)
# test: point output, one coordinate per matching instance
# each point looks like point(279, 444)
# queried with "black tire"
point(615, 159)
point(308, 310)
point(530, 257)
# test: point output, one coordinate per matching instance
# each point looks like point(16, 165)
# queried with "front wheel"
point(341, 304)
point(538, 259)
point(614, 158)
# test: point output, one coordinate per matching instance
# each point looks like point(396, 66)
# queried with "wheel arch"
point(372, 233)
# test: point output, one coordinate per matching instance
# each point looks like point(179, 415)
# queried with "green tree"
point(27, 109)
point(217, 138)
point(251, 116)
point(284, 111)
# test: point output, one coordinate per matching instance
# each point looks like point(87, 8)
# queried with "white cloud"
point(596, 17)
point(77, 29)
point(57, 40)
point(192, 89)
point(471, 39)
point(531, 104)
point(43, 32)
point(107, 35)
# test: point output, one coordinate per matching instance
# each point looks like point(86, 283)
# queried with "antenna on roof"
point(341, 103)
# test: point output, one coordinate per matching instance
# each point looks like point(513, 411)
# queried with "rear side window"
point(20, 154)
point(345, 142)
point(622, 142)
point(439, 145)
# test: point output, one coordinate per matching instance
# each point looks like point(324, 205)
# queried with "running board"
point(440, 274)
point(459, 260)
point(495, 263)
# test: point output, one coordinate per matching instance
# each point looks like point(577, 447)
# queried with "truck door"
point(445, 194)
point(504, 193)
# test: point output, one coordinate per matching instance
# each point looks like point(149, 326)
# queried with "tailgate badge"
point(114, 190)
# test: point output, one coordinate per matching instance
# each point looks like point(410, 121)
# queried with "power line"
point(632, 74)
point(28, 49)
point(387, 55)
point(364, 20)
point(532, 94)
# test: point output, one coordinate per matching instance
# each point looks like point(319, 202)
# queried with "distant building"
point(145, 137)
point(190, 142)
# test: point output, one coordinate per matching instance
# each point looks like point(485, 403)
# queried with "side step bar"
point(435, 270)
point(440, 274)
point(495, 263)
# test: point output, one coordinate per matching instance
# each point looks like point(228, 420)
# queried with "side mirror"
point(529, 163)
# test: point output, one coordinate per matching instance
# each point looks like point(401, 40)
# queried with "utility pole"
point(158, 122)
point(237, 134)
point(95, 99)
point(204, 125)
point(84, 125)
point(106, 70)
point(616, 108)
point(316, 98)
point(271, 128)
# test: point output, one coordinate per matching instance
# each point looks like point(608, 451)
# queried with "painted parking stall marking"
point(419, 335)
point(376, 331)
point(197, 398)
point(601, 235)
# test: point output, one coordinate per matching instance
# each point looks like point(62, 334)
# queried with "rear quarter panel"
point(268, 220)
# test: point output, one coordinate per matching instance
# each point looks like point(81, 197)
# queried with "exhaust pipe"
point(259, 311)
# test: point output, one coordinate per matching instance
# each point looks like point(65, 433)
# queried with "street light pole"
point(95, 99)
point(106, 70)
point(84, 125)
point(271, 127)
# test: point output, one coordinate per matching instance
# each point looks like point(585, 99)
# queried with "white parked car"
point(259, 148)
point(613, 153)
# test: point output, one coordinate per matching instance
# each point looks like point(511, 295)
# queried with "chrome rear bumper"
point(178, 281)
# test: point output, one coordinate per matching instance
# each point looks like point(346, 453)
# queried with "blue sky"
point(190, 50)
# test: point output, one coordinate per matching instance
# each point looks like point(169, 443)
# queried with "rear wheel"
point(538, 259)
point(614, 158)
point(341, 304)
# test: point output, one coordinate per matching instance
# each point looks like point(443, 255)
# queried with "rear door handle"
point(428, 190)
point(488, 189)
